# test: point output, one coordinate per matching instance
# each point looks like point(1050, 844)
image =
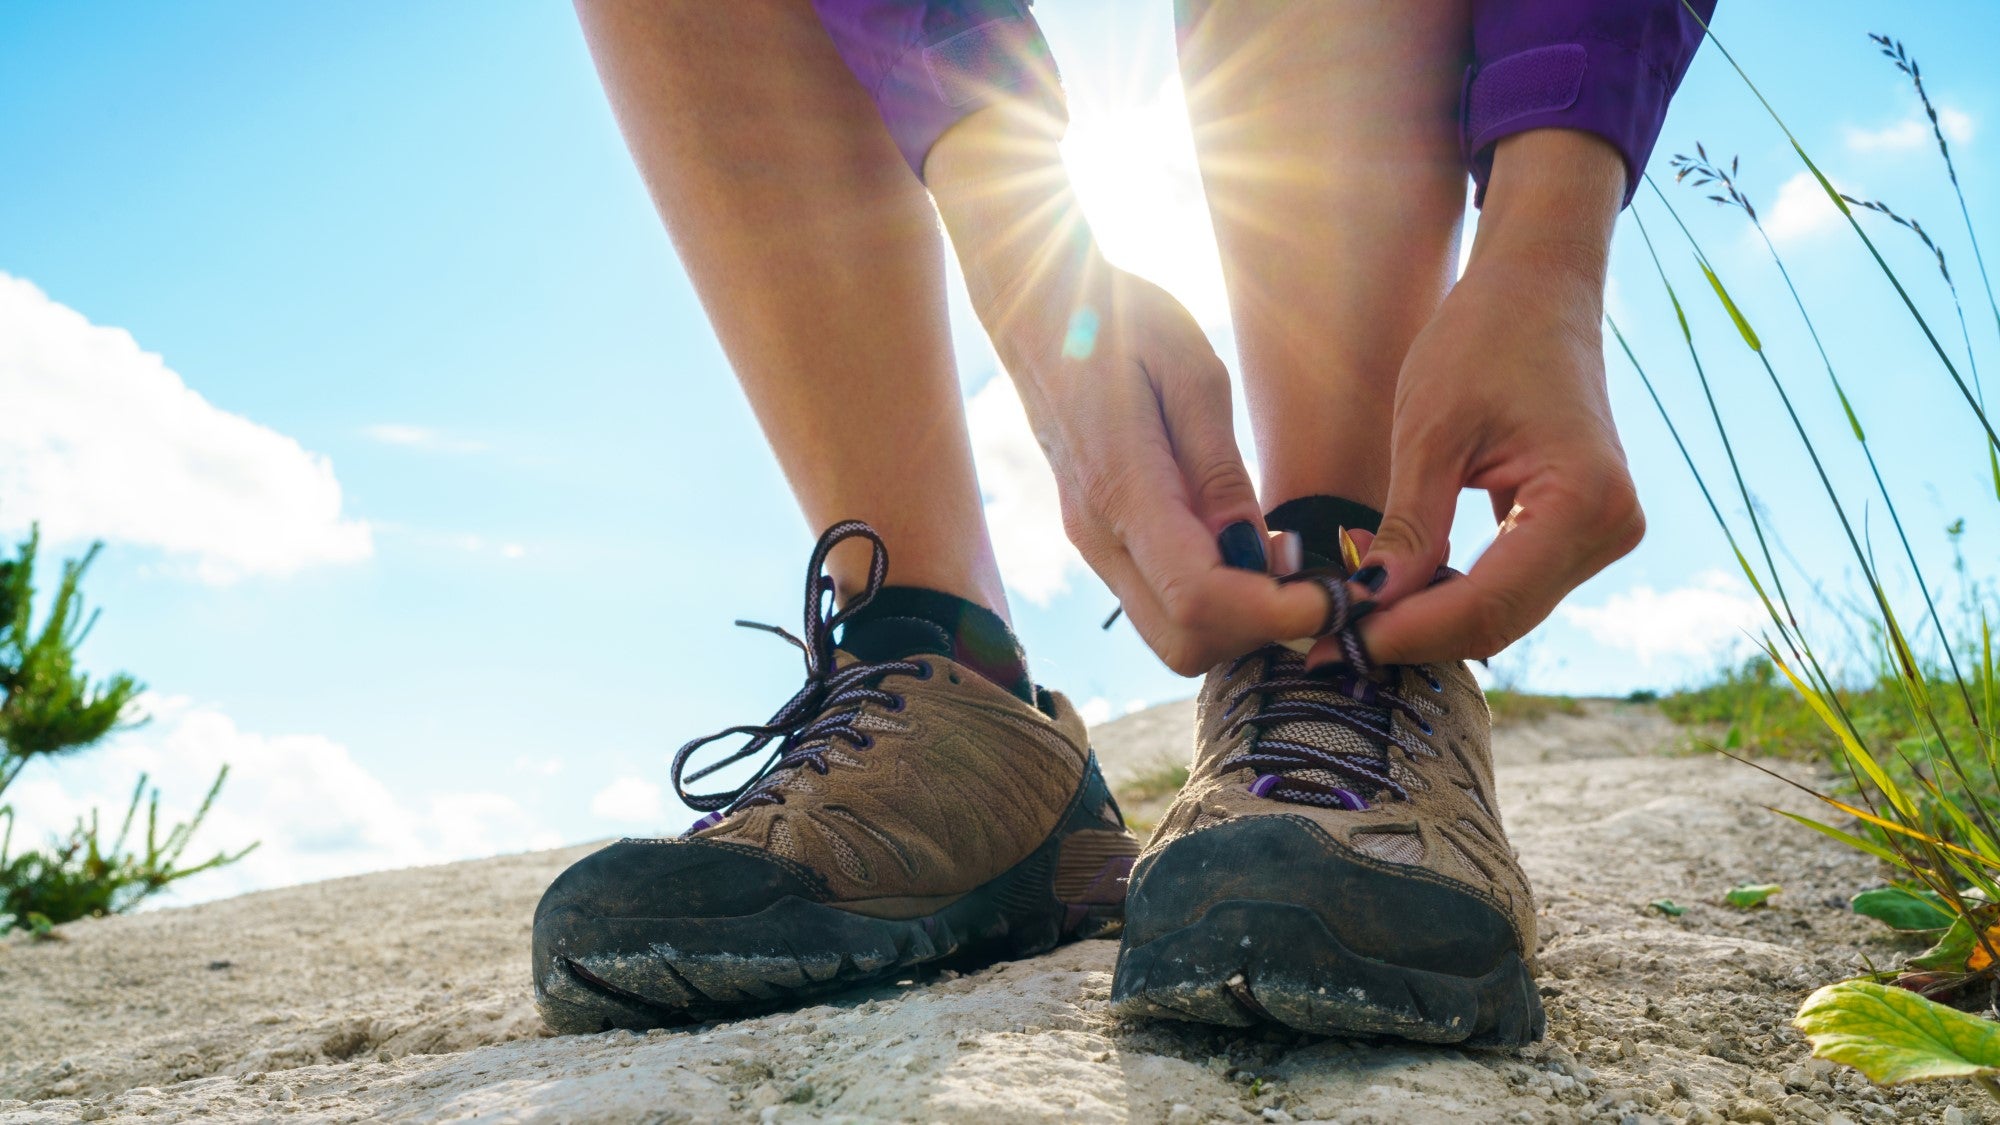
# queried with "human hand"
point(1127, 399)
point(1504, 391)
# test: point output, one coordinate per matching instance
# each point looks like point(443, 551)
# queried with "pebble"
point(1182, 1114)
point(1751, 1111)
point(1798, 1105)
point(1799, 1077)
point(1767, 1090)
point(1955, 1116)
point(1273, 1113)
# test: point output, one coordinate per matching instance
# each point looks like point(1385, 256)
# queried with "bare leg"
point(1328, 143)
point(818, 259)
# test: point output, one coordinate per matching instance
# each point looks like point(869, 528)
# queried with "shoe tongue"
point(876, 639)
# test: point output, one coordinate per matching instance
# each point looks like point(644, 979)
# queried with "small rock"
point(1955, 1116)
point(1800, 1106)
point(1752, 1112)
point(218, 966)
point(1273, 1113)
point(1837, 1119)
point(1244, 1078)
point(1799, 1077)
point(1767, 1090)
point(1182, 1114)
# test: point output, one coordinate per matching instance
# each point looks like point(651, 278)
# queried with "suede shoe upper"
point(1394, 772)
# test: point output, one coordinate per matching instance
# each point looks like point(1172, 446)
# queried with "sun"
point(1132, 163)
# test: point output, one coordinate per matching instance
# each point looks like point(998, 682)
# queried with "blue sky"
point(433, 509)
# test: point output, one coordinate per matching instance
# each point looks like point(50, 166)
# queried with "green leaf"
point(1852, 419)
point(1902, 909)
point(1893, 1035)
point(1746, 895)
point(1953, 948)
point(1735, 314)
point(1668, 907)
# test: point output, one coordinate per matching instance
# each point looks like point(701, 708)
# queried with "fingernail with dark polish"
point(1371, 578)
point(1242, 546)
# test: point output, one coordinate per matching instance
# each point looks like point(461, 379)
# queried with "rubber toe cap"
point(1404, 915)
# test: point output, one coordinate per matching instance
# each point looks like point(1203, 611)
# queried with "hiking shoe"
point(910, 811)
point(1335, 863)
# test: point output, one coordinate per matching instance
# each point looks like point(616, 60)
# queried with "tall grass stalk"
point(1978, 410)
point(1705, 173)
point(1930, 818)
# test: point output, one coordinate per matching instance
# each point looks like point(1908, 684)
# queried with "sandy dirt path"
point(404, 995)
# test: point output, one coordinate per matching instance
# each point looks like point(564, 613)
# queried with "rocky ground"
point(404, 995)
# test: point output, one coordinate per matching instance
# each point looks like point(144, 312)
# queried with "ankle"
point(901, 621)
point(1318, 521)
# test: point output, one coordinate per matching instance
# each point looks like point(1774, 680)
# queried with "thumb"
point(1202, 430)
point(1415, 534)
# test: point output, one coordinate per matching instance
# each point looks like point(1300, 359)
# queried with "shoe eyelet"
point(927, 671)
point(953, 677)
point(897, 705)
point(867, 741)
point(1436, 684)
point(1424, 725)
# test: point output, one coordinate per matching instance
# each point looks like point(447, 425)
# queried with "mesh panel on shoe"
point(1396, 847)
point(781, 838)
point(1331, 737)
point(1465, 857)
point(877, 834)
point(844, 854)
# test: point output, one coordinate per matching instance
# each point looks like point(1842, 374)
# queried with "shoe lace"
point(825, 711)
point(1301, 715)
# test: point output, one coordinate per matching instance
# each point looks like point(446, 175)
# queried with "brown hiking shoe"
point(1335, 863)
point(912, 811)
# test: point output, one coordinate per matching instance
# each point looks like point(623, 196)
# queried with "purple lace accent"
point(1264, 784)
point(705, 823)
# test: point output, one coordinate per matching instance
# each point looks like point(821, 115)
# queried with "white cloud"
point(420, 437)
point(1094, 711)
point(1801, 209)
point(314, 811)
point(631, 800)
point(1023, 511)
point(1912, 133)
point(101, 440)
point(1702, 619)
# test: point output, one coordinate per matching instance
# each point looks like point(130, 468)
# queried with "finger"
point(1415, 534)
point(1107, 556)
point(1211, 611)
point(1360, 539)
point(1285, 551)
point(1195, 404)
point(1559, 536)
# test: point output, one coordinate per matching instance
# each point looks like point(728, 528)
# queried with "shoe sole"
point(699, 969)
point(1248, 962)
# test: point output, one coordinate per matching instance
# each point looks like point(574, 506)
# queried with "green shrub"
point(48, 708)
